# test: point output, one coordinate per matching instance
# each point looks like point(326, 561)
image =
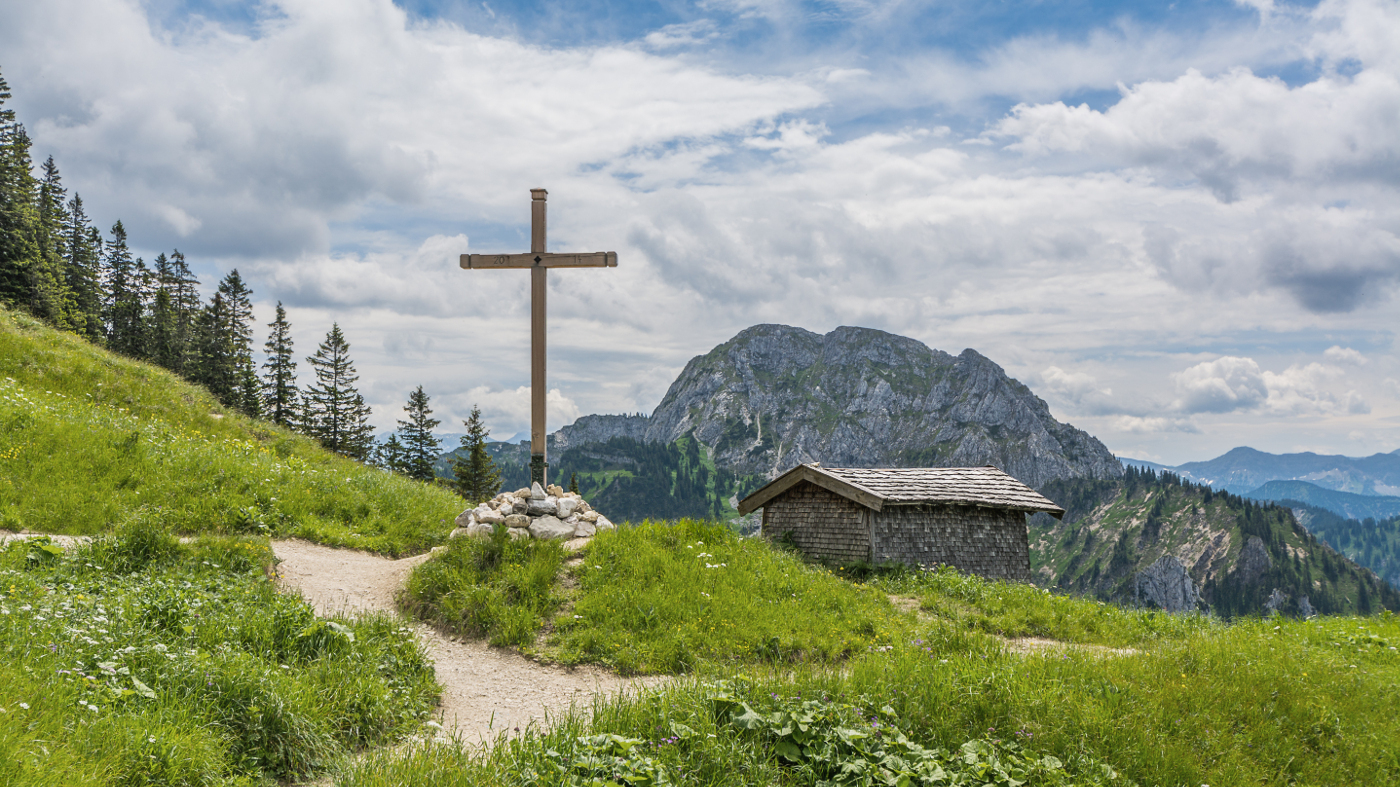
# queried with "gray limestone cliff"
point(776, 396)
point(1167, 586)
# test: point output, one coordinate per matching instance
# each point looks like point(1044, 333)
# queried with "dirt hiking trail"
point(485, 690)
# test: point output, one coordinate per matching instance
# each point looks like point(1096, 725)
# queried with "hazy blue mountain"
point(1243, 470)
point(1344, 504)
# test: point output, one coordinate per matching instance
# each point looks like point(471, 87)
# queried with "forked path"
point(485, 690)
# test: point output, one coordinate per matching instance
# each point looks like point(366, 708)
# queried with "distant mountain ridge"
point(1243, 470)
point(775, 396)
point(1345, 504)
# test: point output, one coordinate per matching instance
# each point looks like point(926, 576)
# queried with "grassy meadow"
point(90, 440)
point(140, 660)
point(798, 675)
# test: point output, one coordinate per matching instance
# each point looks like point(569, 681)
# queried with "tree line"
point(56, 265)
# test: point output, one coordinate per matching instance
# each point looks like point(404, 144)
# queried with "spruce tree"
point(390, 455)
point(21, 230)
point(184, 297)
point(82, 254)
point(334, 411)
point(279, 389)
point(163, 343)
point(50, 296)
point(573, 483)
point(477, 478)
point(420, 447)
point(215, 365)
point(125, 307)
point(247, 393)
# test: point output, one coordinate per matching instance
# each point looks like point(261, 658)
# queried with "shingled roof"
point(876, 488)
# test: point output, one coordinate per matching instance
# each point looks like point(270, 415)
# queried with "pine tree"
point(82, 254)
point(184, 297)
point(164, 341)
point(334, 411)
point(50, 296)
point(477, 477)
point(125, 306)
point(279, 389)
point(420, 447)
point(390, 455)
point(216, 362)
point(573, 483)
point(247, 392)
point(20, 242)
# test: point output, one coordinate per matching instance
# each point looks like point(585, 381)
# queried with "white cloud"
point(1220, 386)
point(683, 34)
point(507, 411)
point(1230, 384)
point(1338, 354)
point(1133, 424)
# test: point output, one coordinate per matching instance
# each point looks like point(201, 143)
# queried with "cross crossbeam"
point(538, 261)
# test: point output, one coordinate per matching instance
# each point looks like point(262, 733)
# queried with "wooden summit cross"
point(538, 261)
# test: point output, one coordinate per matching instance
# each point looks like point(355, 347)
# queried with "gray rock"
point(481, 531)
point(522, 505)
point(602, 523)
point(489, 517)
point(536, 491)
point(517, 520)
point(567, 506)
point(775, 396)
point(589, 516)
point(1167, 586)
point(465, 518)
point(598, 429)
point(1276, 600)
point(523, 493)
point(575, 544)
point(584, 529)
point(1254, 560)
point(542, 507)
point(1305, 607)
point(549, 527)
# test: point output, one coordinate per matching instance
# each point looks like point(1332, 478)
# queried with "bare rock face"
point(1168, 586)
point(1276, 600)
point(1254, 560)
point(775, 396)
point(1305, 607)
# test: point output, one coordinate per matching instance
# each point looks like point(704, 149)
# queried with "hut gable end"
point(821, 523)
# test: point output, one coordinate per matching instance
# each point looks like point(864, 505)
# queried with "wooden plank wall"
point(990, 542)
point(823, 524)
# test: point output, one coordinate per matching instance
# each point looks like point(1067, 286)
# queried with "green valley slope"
point(90, 440)
point(1238, 554)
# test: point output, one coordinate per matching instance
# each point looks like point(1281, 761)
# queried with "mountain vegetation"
point(1238, 555)
point(805, 676)
point(1372, 543)
point(90, 439)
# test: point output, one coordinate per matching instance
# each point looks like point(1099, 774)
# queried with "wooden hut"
point(971, 518)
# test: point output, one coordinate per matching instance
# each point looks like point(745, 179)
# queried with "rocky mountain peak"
point(775, 396)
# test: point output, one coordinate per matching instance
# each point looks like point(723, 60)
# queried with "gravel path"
point(485, 690)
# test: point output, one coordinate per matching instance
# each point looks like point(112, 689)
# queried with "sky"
point(1177, 223)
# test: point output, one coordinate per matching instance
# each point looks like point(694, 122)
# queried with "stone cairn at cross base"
point(537, 512)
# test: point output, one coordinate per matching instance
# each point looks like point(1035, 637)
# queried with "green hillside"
point(800, 675)
point(90, 440)
point(1113, 530)
point(1370, 543)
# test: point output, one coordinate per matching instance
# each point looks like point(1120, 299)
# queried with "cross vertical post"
point(539, 241)
point(539, 261)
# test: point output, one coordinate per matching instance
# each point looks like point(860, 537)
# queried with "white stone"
point(575, 544)
point(481, 531)
point(465, 518)
point(584, 529)
point(589, 516)
point(490, 517)
point(567, 506)
point(549, 527)
point(583, 505)
point(536, 491)
point(602, 524)
point(523, 493)
point(517, 520)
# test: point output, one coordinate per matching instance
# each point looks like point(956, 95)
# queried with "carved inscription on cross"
point(538, 261)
